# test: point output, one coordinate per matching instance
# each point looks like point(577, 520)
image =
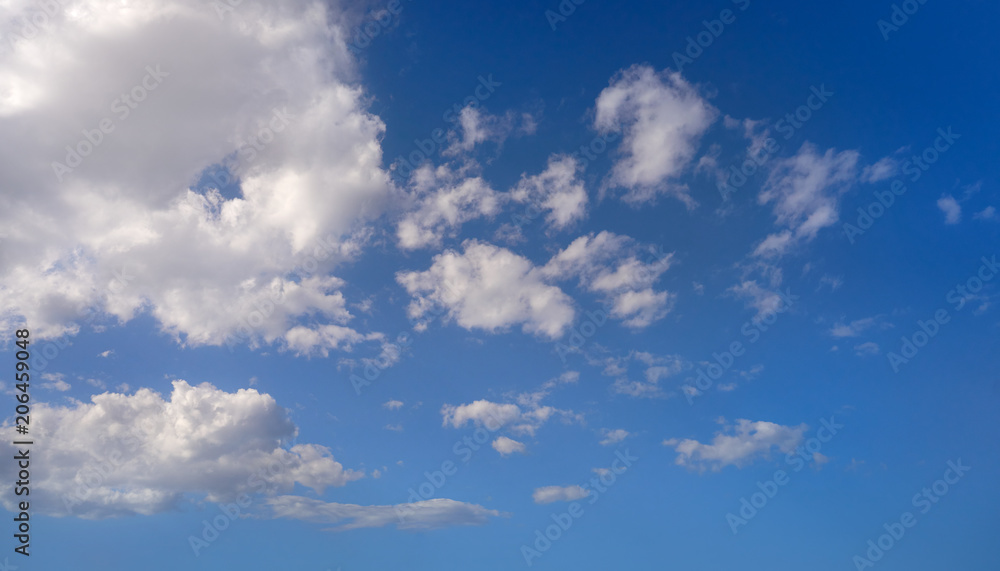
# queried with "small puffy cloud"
point(988, 213)
point(393, 404)
point(612, 437)
point(106, 354)
point(419, 516)
point(747, 442)
point(551, 494)
point(884, 169)
point(477, 126)
point(482, 413)
point(805, 190)
point(489, 288)
point(654, 369)
point(55, 382)
point(443, 201)
point(857, 327)
point(764, 300)
point(867, 349)
point(609, 264)
point(951, 208)
point(201, 442)
point(506, 446)
point(662, 119)
point(557, 190)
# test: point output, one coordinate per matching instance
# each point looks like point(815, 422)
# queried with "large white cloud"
point(662, 118)
point(266, 90)
point(141, 454)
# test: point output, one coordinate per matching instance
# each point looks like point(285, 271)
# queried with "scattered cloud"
point(662, 118)
point(612, 437)
point(551, 494)
point(506, 446)
point(951, 208)
point(746, 442)
point(419, 516)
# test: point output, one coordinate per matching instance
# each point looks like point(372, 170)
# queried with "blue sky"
point(472, 285)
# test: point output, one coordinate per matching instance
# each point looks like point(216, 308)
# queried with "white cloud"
point(202, 442)
point(557, 190)
point(55, 382)
point(611, 437)
point(477, 126)
point(393, 404)
point(609, 264)
point(951, 209)
point(662, 118)
point(506, 446)
point(418, 516)
point(988, 213)
point(550, 494)
point(525, 417)
point(106, 354)
point(444, 201)
point(857, 327)
point(764, 300)
point(805, 190)
point(749, 441)
point(884, 169)
point(867, 349)
point(489, 288)
point(290, 123)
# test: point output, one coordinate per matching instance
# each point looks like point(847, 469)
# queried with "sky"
point(357, 285)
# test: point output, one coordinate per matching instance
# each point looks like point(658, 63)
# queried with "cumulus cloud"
point(418, 516)
point(647, 385)
point(612, 437)
point(550, 494)
point(858, 326)
point(610, 265)
point(393, 404)
point(55, 382)
point(951, 208)
point(142, 454)
point(489, 288)
point(507, 446)
point(805, 190)
point(662, 118)
point(557, 190)
point(988, 213)
point(476, 126)
point(884, 169)
point(444, 200)
point(129, 230)
point(747, 442)
point(523, 414)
